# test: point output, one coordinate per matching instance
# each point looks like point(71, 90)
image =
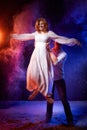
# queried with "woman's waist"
point(40, 45)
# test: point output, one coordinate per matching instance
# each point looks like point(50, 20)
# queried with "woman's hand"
point(76, 42)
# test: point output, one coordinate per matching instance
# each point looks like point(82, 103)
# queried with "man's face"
point(41, 26)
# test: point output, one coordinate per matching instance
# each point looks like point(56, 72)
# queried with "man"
point(59, 83)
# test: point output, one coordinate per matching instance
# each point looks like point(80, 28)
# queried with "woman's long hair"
point(45, 24)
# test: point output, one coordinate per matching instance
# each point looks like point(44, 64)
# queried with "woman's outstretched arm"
point(64, 40)
point(23, 37)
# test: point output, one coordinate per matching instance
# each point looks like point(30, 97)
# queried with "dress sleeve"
point(63, 40)
point(62, 56)
point(23, 37)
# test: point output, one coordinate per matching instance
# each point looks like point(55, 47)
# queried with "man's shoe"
point(48, 120)
point(71, 124)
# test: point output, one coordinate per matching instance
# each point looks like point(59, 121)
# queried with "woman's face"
point(41, 26)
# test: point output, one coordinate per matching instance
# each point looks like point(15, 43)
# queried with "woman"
point(40, 68)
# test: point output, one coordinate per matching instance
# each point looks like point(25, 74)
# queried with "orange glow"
point(1, 37)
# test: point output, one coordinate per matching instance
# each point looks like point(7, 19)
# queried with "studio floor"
point(30, 115)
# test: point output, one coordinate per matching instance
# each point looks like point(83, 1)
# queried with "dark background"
point(65, 17)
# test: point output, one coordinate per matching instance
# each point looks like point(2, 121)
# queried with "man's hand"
point(48, 47)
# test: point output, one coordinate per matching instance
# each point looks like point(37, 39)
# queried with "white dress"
point(40, 68)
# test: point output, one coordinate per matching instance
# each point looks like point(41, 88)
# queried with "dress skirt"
point(40, 71)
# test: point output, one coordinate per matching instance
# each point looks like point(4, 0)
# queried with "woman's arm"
point(23, 37)
point(63, 40)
